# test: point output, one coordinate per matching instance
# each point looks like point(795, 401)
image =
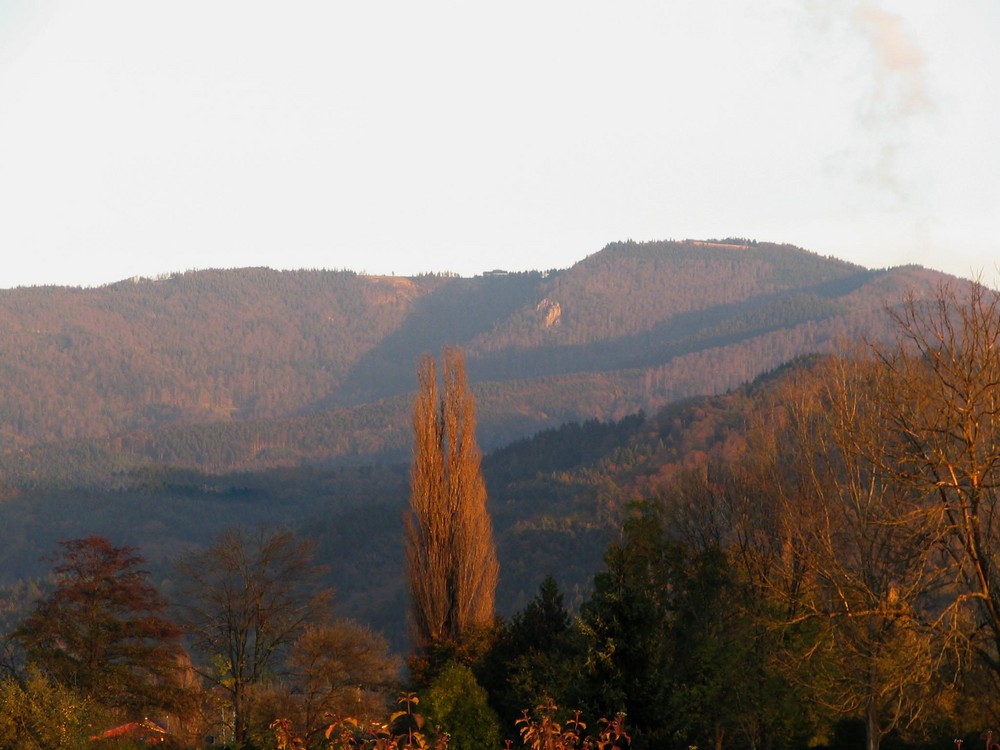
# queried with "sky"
point(142, 138)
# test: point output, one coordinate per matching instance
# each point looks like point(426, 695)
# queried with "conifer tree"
point(451, 558)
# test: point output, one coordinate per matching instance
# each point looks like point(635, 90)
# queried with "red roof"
point(145, 731)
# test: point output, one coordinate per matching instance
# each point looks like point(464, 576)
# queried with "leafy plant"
point(545, 732)
point(403, 731)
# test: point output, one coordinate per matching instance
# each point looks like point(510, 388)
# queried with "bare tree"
point(944, 407)
point(244, 600)
point(870, 554)
point(341, 669)
point(451, 559)
point(847, 554)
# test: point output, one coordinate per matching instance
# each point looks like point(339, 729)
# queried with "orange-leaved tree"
point(451, 562)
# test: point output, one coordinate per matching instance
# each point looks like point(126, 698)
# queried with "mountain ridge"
point(250, 368)
point(159, 413)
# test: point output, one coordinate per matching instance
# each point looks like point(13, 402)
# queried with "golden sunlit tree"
point(451, 558)
point(944, 403)
point(867, 551)
point(880, 477)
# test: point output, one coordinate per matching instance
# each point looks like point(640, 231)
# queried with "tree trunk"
point(239, 721)
point(873, 734)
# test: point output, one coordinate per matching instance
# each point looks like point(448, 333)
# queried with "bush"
point(43, 714)
point(456, 705)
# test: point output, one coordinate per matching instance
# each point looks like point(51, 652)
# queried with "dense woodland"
point(252, 368)
point(731, 568)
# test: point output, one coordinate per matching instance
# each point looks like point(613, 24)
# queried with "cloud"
point(899, 60)
point(897, 100)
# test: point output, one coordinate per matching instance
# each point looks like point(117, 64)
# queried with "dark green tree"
point(729, 634)
point(625, 623)
point(676, 639)
point(716, 685)
point(534, 659)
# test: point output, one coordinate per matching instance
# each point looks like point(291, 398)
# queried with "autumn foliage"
point(103, 630)
point(451, 563)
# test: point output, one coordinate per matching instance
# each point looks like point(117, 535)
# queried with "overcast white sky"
point(139, 138)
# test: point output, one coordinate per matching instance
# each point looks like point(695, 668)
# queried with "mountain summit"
point(248, 368)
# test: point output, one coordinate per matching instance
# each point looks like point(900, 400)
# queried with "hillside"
point(251, 368)
point(555, 499)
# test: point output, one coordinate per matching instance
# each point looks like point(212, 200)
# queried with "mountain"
point(248, 369)
point(157, 412)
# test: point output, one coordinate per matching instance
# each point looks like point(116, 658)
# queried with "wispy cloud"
point(899, 69)
point(899, 95)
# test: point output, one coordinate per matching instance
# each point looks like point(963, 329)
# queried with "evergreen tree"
point(673, 643)
point(625, 623)
point(535, 659)
point(451, 558)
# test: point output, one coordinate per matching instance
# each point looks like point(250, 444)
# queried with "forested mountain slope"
point(555, 499)
point(251, 368)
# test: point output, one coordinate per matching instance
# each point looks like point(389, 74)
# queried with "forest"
point(250, 369)
point(804, 560)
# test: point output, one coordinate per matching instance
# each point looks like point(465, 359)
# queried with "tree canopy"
point(103, 630)
point(451, 563)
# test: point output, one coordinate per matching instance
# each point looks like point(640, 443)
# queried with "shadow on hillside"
point(720, 325)
point(455, 313)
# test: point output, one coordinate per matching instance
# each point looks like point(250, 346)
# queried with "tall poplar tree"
point(451, 558)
